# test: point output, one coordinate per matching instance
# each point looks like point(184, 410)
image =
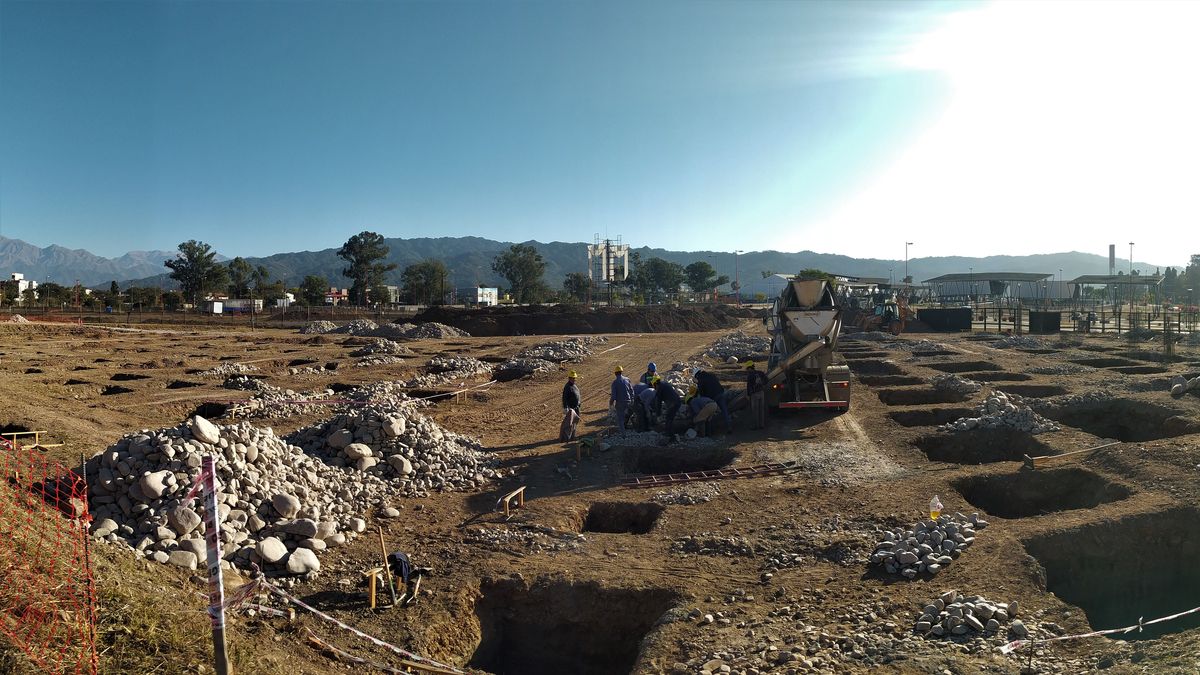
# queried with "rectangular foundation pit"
point(982, 446)
point(997, 376)
point(622, 517)
point(1139, 370)
point(652, 460)
point(1141, 566)
point(962, 366)
point(889, 380)
point(1026, 493)
point(875, 367)
point(555, 627)
point(864, 354)
point(1124, 419)
point(924, 396)
point(1105, 362)
point(1033, 390)
point(928, 418)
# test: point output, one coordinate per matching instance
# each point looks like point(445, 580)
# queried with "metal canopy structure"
point(1005, 277)
point(1118, 280)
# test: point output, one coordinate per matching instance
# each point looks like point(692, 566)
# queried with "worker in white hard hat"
point(570, 402)
point(620, 397)
point(756, 391)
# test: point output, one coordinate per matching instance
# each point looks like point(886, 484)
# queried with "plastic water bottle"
point(935, 508)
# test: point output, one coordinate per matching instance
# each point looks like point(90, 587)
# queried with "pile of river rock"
point(1018, 342)
point(227, 369)
point(544, 357)
point(382, 346)
point(279, 506)
point(1003, 411)
point(927, 546)
point(450, 369)
point(955, 384)
point(952, 613)
point(739, 346)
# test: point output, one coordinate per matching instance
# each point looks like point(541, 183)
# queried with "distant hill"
point(470, 258)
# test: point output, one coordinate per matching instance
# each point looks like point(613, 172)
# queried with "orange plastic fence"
point(47, 589)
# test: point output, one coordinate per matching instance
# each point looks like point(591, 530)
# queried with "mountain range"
point(469, 260)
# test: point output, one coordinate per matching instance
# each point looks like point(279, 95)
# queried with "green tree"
point(523, 267)
point(113, 299)
point(816, 274)
point(576, 286)
point(656, 278)
point(196, 270)
point(365, 253)
point(173, 300)
point(313, 290)
point(240, 275)
point(702, 278)
point(424, 281)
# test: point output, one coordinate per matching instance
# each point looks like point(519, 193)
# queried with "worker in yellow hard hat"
point(620, 397)
point(756, 391)
point(570, 401)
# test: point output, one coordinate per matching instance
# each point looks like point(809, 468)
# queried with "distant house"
point(480, 296)
point(23, 285)
point(286, 301)
point(335, 296)
point(243, 305)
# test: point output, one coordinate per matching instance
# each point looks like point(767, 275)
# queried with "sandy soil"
point(779, 561)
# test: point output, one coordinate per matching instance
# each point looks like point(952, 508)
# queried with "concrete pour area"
point(765, 574)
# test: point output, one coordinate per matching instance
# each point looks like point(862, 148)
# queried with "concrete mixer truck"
point(804, 324)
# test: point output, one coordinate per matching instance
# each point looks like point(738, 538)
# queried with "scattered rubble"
point(318, 327)
point(279, 506)
point(641, 439)
point(680, 374)
point(1181, 385)
point(382, 346)
point(918, 346)
point(872, 336)
point(380, 360)
point(571, 350)
point(1001, 410)
point(450, 369)
point(430, 330)
point(739, 346)
point(1192, 339)
point(1018, 342)
point(398, 442)
point(688, 494)
point(1064, 369)
point(711, 543)
point(270, 401)
point(356, 327)
point(928, 546)
point(516, 368)
point(952, 613)
point(227, 369)
point(524, 539)
point(955, 384)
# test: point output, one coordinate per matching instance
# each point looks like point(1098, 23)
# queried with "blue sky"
point(262, 127)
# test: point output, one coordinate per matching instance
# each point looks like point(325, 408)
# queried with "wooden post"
point(216, 588)
point(387, 569)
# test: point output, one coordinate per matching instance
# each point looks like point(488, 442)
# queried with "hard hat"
point(618, 369)
point(749, 365)
point(652, 368)
point(572, 375)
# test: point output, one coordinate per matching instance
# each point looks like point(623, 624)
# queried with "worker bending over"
point(671, 401)
point(708, 386)
point(403, 571)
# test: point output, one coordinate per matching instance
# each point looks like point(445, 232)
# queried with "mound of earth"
point(566, 319)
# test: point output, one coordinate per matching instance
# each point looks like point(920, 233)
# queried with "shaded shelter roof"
point(1120, 279)
point(989, 276)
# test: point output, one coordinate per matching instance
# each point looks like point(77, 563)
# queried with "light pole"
point(737, 282)
point(1130, 280)
point(891, 276)
point(906, 245)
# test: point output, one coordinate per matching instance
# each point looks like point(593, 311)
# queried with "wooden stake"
point(387, 569)
point(1038, 462)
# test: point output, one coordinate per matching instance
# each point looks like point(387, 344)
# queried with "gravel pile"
point(1000, 410)
point(450, 369)
point(1192, 339)
point(952, 613)
point(872, 336)
point(357, 327)
point(516, 368)
point(1137, 334)
point(688, 494)
point(524, 540)
point(739, 346)
point(1018, 342)
point(1064, 369)
point(382, 346)
point(680, 374)
point(270, 401)
point(954, 383)
point(312, 370)
point(17, 318)
point(380, 360)
point(400, 444)
point(918, 346)
point(642, 439)
point(928, 546)
point(572, 350)
point(318, 327)
point(279, 506)
point(711, 543)
point(430, 330)
point(1085, 399)
point(227, 369)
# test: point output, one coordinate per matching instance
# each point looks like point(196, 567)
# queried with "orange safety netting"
point(47, 590)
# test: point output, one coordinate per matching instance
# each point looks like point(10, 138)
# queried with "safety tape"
point(1017, 644)
point(373, 640)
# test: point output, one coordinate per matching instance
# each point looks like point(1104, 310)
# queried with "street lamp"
point(737, 283)
point(1130, 280)
point(906, 245)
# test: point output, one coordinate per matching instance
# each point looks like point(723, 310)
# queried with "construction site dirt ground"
point(761, 574)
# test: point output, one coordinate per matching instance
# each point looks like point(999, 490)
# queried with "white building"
point(286, 301)
point(23, 285)
point(243, 305)
point(481, 296)
point(608, 261)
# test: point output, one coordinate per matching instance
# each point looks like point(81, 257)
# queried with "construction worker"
point(646, 404)
point(570, 401)
point(620, 396)
point(651, 372)
point(670, 399)
point(756, 391)
point(710, 387)
point(404, 572)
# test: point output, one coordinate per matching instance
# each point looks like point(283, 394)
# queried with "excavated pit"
point(1001, 376)
point(935, 352)
point(1104, 363)
point(875, 367)
point(622, 517)
point(72, 382)
point(962, 366)
point(1037, 351)
point(655, 460)
point(1124, 419)
point(982, 446)
point(865, 354)
point(1155, 357)
point(927, 396)
point(556, 627)
point(1117, 571)
point(301, 362)
point(1033, 493)
point(1098, 348)
point(1033, 390)
point(889, 380)
point(928, 418)
point(115, 389)
point(128, 377)
point(183, 384)
point(1138, 370)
